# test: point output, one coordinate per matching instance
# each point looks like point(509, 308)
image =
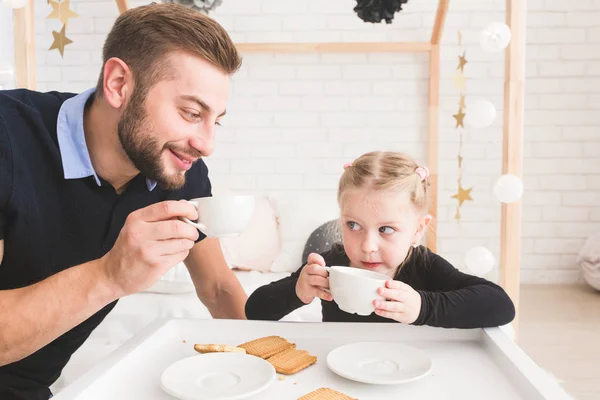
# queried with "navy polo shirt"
point(56, 212)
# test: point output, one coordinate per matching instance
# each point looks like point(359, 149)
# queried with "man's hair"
point(143, 37)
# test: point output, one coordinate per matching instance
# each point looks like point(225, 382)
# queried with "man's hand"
point(152, 241)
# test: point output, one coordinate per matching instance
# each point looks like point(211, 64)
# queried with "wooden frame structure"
point(432, 47)
point(512, 149)
point(512, 159)
point(24, 46)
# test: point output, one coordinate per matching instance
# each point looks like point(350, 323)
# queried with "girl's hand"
point(403, 305)
point(313, 280)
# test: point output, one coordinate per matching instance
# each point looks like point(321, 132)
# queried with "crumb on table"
point(184, 341)
point(281, 377)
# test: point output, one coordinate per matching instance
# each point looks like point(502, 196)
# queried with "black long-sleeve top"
point(449, 298)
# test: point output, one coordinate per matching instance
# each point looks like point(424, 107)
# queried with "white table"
point(467, 364)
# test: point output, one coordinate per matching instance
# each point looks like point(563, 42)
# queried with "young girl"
point(383, 202)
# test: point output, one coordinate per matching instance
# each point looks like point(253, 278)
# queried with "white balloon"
point(480, 114)
point(495, 37)
point(15, 3)
point(479, 260)
point(509, 188)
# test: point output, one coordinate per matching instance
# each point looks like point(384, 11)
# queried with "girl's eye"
point(353, 225)
point(388, 230)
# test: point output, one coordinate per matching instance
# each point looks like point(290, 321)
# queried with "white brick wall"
point(295, 119)
point(6, 42)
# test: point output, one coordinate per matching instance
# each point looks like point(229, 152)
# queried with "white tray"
point(467, 364)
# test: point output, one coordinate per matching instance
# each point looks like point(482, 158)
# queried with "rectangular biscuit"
point(325, 394)
point(292, 360)
point(267, 346)
point(218, 348)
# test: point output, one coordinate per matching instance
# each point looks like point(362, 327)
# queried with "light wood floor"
point(560, 330)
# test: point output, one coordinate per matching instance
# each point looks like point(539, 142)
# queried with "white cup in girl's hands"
point(354, 289)
point(223, 216)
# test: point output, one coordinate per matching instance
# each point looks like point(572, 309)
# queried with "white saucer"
point(217, 376)
point(381, 363)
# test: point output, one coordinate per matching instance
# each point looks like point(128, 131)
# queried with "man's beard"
point(142, 148)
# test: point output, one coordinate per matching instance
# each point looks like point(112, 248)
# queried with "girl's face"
point(379, 227)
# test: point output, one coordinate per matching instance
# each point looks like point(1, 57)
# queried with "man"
point(89, 190)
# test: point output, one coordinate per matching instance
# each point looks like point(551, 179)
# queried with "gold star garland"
point(61, 10)
point(460, 83)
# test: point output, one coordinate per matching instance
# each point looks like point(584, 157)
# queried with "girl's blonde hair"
point(380, 170)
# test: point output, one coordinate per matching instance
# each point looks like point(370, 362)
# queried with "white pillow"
point(589, 261)
point(299, 216)
point(257, 247)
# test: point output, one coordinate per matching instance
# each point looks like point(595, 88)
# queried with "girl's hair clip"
point(423, 173)
point(347, 165)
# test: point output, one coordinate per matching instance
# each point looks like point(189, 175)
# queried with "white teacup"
point(354, 289)
point(223, 216)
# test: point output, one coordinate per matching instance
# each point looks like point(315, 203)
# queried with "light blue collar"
point(71, 140)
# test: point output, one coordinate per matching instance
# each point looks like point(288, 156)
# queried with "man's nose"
point(204, 142)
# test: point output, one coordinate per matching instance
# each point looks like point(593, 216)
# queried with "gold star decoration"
point(457, 215)
point(460, 82)
point(462, 195)
point(61, 10)
point(459, 118)
point(60, 41)
point(462, 61)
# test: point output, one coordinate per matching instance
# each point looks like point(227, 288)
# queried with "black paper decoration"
point(376, 10)
point(204, 6)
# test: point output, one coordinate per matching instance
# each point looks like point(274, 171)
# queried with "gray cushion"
point(322, 239)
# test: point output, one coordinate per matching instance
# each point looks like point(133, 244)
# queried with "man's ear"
point(118, 82)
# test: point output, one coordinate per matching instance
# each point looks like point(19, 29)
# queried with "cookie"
point(326, 394)
point(292, 360)
point(267, 346)
point(218, 348)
